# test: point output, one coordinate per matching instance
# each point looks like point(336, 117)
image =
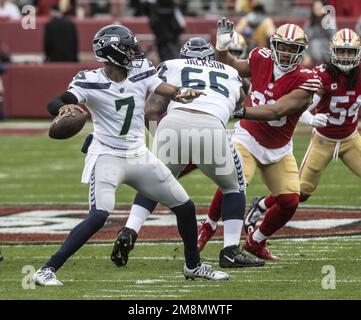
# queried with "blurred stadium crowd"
point(168, 23)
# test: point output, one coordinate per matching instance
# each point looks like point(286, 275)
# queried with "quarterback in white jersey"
point(197, 133)
point(117, 108)
point(115, 96)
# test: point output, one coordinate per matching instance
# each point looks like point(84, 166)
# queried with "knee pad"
point(288, 201)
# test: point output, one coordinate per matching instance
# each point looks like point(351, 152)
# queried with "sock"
point(258, 236)
point(214, 212)
point(268, 202)
point(77, 238)
point(187, 227)
point(137, 217)
point(232, 232)
point(145, 202)
point(212, 223)
point(233, 206)
point(280, 213)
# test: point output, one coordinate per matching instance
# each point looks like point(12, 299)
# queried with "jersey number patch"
point(200, 84)
point(130, 104)
point(343, 112)
point(258, 99)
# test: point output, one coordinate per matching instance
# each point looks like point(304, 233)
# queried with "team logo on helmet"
point(198, 48)
point(345, 49)
point(117, 44)
point(288, 45)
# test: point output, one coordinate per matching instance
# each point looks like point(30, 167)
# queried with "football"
point(64, 127)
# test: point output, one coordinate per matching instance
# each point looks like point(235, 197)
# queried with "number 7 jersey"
point(342, 105)
point(117, 108)
point(266, 90)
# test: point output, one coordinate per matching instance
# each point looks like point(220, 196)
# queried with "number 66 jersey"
point(342, 105)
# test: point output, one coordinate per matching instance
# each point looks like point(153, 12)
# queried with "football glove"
point(224, 34)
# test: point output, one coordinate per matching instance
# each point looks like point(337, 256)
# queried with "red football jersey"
point(340, 103)
point(266, 90)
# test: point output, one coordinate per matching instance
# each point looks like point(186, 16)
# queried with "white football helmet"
point(345, 49)
point(288, 45)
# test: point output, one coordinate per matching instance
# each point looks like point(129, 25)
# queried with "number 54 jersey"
point(266, 90)
point(219, 82)
point(341, 103)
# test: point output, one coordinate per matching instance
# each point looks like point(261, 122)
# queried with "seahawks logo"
point(105, 41)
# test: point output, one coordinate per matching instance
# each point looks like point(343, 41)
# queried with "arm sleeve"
point(56, 103)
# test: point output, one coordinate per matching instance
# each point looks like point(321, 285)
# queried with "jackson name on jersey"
point(219, 82)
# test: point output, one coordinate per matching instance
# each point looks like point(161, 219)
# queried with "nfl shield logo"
point(334, 86)
point(270, 85)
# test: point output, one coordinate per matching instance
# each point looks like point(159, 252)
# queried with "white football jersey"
point(218, 81)
point(117, 108)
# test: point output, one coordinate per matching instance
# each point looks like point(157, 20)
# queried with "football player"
point(340, 97)
point(207, 115)
point(281, 91)
point(115, 96)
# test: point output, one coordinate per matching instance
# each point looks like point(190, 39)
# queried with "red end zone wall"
point(28, 88)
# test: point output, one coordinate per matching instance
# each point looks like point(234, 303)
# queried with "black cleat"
point(254, 214)
point(1, 256)
point(232, 257)
point(123, 245)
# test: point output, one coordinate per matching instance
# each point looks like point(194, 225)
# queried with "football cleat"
point(204, 271)
point(259, 249)
point(123, 245)
point(46, 277)
point(232, 257)
point(254, 214)
point(1, 256)
point(205, 234)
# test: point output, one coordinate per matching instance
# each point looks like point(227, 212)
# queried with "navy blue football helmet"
point(117, 44)
point(198, 48)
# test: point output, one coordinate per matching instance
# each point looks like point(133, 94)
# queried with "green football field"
point(38, 170)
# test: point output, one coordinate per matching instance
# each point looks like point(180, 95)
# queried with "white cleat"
point(204, 271)
point(46, 277)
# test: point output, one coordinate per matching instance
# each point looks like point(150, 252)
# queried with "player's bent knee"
point(288, 201)
point(104, 197)
point(98, 216)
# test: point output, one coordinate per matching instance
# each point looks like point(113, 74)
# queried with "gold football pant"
point(319, 154)
point(281, 177)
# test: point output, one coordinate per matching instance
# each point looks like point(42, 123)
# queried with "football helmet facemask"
point(345, 49)
point(117, 44)
point(288, 45)
point(198, 48)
